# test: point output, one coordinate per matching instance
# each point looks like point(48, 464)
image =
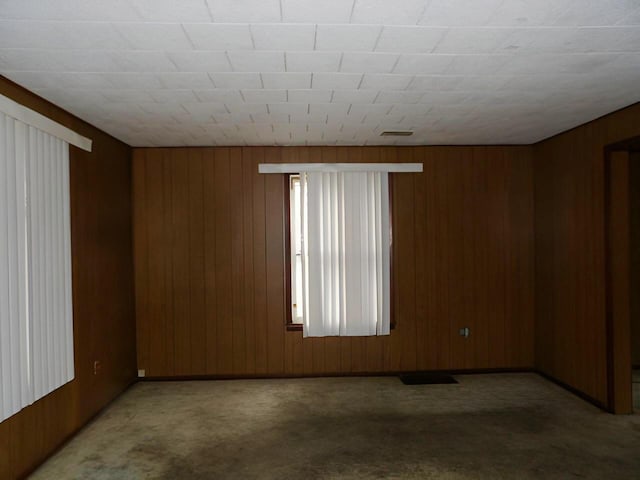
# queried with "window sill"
point(297, 327)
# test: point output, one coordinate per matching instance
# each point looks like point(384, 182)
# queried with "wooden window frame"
point(297, 327)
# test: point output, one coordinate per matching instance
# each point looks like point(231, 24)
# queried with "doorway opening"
point(622, 216)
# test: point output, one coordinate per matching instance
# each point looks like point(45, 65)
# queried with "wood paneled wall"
point(103, 304)
point(570, 251)
point(209, 263)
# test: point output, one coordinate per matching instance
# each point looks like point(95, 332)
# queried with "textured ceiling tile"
point(375, 81)
point(313, 11)
point(272, 116)
point(445, 98)
point(168, 96)
point(133, 61)
point(70, 10)
point(245, 11)
point(186, 80)
point(435, 82)
point(264, 96)
point(59, 35)
point(410, 39)
point(556, 64)
point(381, 12)
point(251, 61)
point(328, 109)
point(423, 64)
point(153, 36)
point(476, 64)
point(71, 98)
point(200, 61)
point(247, 108)
point(473, 40)
point(58, 60)
point(313, 61)
point(216, 36)
point(172, 10)
point(61, 80)
point(289, 108)
point(310, 96)
point(203, 108)
point(283, 37)
point(336, 81)
point(133, 80)
point(613, 39)
point(368, 62)
point(527, 13)
point(288, 80)
point(505, 71)
point(133, 96)
point(218, 95)
point(308, 118)
point(354, 96)
point(236, 80)
point(230, 119)
point(161, 108)
point(443, 13)
point(391, 97)
point(349, 38)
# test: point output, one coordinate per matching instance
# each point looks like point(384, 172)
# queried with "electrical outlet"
point(97, 366)
point(141, 372)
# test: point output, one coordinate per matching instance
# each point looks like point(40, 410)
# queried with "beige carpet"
point(514, 426)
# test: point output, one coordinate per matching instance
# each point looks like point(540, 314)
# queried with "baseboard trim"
point(575, 391)
point(393, 373)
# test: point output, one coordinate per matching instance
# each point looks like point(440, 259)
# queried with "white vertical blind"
point(346, 253)
point(15, 384)
point(50, 260)
point(36, 334)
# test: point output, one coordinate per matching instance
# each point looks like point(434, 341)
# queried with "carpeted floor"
point(515, 426)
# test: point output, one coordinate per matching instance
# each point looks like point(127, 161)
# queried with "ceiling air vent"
point(392, 133)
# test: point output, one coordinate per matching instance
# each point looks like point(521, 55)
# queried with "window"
point(339, 239)
point(295, 249)
point(36, 325)
point(338, 246)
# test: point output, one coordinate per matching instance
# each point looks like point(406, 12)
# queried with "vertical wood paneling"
point(260, 263)
point(237, 263)
point(223, 265)
point(197, 291)
point(275, 211)
point(570, 321)
point(178, 230)
point(140, 242)
point(618, 300)
point(248, 279)
point(463, 256)
point(209, 246)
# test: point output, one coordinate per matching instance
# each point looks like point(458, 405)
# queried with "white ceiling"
point(338, 72)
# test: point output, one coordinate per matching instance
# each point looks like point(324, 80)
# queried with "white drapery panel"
point(36, 323)
point(346, 265)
